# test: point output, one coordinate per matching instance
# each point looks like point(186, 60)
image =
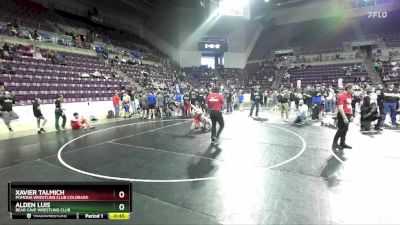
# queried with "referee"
point(214, 102)
point(344, 116)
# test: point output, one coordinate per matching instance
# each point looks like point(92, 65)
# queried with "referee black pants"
point(216, 117)
point(342, 129)
point(254, 104)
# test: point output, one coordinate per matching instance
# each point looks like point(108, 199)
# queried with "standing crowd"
point(372, 103)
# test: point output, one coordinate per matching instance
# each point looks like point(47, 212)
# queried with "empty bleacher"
point(327, 74)
point(46, 80)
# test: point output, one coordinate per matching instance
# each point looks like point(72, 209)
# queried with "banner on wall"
point(298, 84)
point(340, 83)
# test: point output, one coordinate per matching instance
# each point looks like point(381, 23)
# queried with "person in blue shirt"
point(241, 99)
point(317, 103)
point(178, 99)
point(151, 101)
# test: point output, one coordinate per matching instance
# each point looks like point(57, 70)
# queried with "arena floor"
point(264, 172)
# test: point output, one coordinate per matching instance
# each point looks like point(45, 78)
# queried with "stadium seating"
point(388, 70)
point(33, 15)
point(319, 36)
point(46, 80)
point(327, 74)
point(200, 75)
point(253, 74)
point(25, 13)
point(326, 35)
point(391, 39)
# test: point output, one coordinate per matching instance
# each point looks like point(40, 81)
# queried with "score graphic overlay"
point(72, 200)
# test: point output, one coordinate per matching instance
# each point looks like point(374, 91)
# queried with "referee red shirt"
point(345, 100)
point(215, 102)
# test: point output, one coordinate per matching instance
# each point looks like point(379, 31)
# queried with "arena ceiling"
point(141, 8)
point(148, 7)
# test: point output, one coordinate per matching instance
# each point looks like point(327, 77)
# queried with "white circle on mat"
point(303, 148)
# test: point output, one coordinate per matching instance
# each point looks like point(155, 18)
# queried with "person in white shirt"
point(302, 114)
point(373, 96)
point(126, 99)
point(330, 103)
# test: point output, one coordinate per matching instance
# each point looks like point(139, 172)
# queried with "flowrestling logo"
point(377, 15)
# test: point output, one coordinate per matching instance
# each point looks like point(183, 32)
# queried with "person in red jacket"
point(116, 104)
point(214, 103)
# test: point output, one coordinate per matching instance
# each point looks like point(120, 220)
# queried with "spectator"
point(283, 99)
point(160, 103)
point(132, 104)
point(1, 89)
point(126, 100)
point(37, 112)
point(193, 97)
point(241, 99)
point(302, 114)
point(317, 103)
point(14, 31)
point(137, 104)
point(369, 113)
point(151, 100)
point(390, 100)
point(36, 36)
point(57, 58)
point(59, 112)
point(6, 69)
point(265, 97)
point(178, 99)
point(256, 100)
point(186, 104)
point(6, 108)
point(116, 104)
point(78, 41)
point(143, 105)
point(229, 101)
point(329, 103)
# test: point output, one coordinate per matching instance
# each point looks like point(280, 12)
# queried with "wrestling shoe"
point(345, 146)
point(214, 141)
point(335, 147)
